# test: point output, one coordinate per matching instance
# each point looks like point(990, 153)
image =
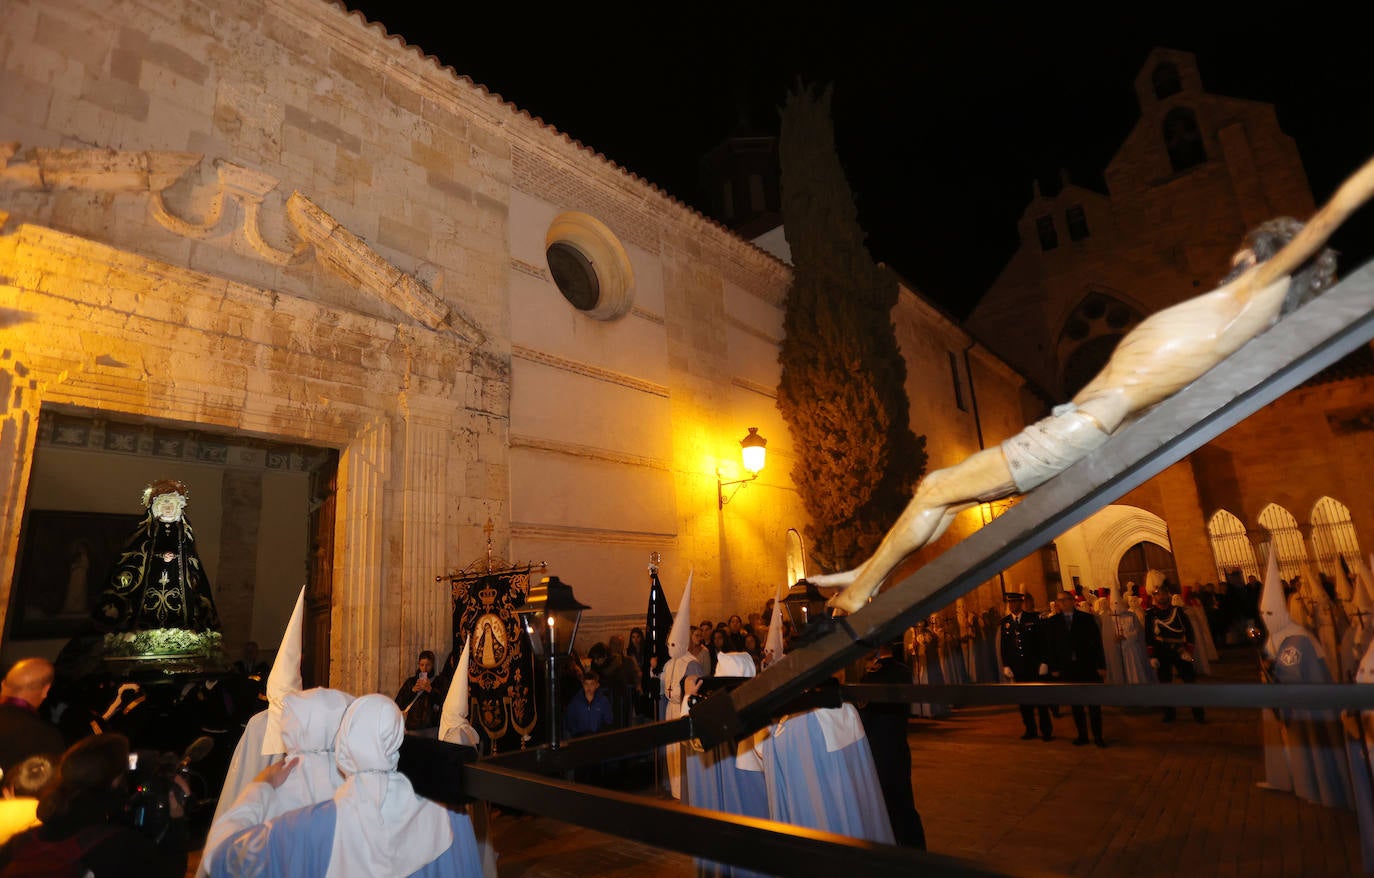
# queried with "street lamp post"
point(551, 607)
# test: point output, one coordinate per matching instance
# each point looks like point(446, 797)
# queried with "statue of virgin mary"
point(158, 581)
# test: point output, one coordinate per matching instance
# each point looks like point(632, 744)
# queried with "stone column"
point(425, 615)
point(235, 584)
point(355, 634)
point(18, 430)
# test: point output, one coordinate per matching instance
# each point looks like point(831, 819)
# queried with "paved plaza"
point(1161, 799)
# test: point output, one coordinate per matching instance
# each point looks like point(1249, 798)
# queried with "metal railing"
point(1307, 341)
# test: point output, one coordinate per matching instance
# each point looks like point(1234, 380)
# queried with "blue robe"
point(715, 781)
point(1317, 760)
point(812, 786)
point(297, 845)
point(927, 671)
point(1359, 742)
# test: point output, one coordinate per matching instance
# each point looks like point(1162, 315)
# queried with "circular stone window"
point(589, 266)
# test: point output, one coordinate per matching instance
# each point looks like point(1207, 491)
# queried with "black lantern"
point(804, 605)
point(549, 616)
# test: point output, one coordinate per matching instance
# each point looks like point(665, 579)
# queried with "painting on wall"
point(64, 560)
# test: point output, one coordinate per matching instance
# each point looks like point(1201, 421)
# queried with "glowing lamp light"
point(754, 450)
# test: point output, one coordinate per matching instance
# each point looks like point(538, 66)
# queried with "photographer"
point(420, 697)
point(81, 832)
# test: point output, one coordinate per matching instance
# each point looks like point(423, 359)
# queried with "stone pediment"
point(313, 233)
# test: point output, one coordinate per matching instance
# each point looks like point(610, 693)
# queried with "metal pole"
point(553, 688)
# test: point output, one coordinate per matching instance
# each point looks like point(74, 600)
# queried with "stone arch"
point(1121, 528)
point(1333, 534)
point(1286, 538)
point(1231, 547)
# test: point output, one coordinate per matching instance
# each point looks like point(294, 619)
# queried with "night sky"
point(943, 117)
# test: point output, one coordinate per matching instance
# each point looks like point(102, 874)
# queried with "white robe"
point(310, 721)
point(248, 761)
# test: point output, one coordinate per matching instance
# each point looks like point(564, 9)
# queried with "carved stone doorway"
point(254, 508)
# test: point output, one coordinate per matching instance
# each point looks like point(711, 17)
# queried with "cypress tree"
point(842, 391)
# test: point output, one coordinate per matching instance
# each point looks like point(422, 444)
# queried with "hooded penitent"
point(453, 724)
point(284, 678)
point(772, 645)
point(680, 638)
point(382, 826)
point(1274, 607)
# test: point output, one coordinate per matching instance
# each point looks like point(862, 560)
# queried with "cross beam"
point(1297, 348)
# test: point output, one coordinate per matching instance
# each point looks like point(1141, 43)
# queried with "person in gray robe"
point(1359, 744)
point(729, 776)
point(819, 773)
point(1318, 766)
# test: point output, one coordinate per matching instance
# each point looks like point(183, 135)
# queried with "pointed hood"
point(1365, 672)
point(1364, 594)
point(1363, 584)
point(772, 644)
point(1118, 604)
point(1344, 593)
point(285, 677)
point(680, 638)
point(1312, 588)
point(1273, 605)
point(453, 724)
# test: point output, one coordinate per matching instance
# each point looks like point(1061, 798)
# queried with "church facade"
point(1196, 172)
point(383, 324)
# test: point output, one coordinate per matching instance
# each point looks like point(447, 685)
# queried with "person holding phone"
point(419, 698)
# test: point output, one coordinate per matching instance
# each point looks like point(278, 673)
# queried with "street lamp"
point(753, 449)
point(552, 608)
point(804, 605)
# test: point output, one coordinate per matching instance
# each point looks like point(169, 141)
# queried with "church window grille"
point(1333, 535)
point(1286, 539)
point(1231, 548)
point(1183, 139)
point(1077, 221)
point(1166, 80)
point(1044, 227)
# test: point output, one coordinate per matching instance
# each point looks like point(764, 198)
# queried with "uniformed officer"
point(1169, 636)
point(1023, 659)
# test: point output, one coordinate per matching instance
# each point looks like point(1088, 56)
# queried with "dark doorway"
point(1143, 557)
point(319, 587)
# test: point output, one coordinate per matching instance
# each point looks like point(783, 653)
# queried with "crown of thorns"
point(165, 486)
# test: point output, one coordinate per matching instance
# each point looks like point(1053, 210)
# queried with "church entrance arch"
point(1143, 557)
point(1093, 552)
point(255, 505)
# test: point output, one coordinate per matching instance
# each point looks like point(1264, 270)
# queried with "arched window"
point(1165, 80)
point(1183, 139)
point(1285, 537)
point(1090, 335)
point(1231, 548)
point(1333, 535)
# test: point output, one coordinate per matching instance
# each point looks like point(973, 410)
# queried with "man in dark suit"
point(885, 725)
point(1023, 660)
point(1074, 646)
